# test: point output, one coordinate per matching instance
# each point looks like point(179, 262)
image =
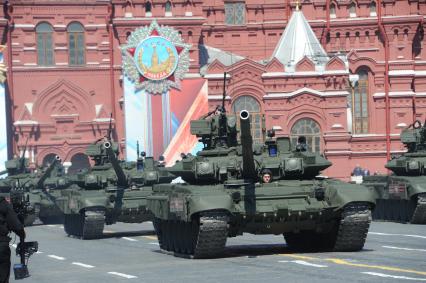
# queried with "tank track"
point(353, 228)
point(419, 215)
point(348, 234)
point(89, 225)
point(204, 237)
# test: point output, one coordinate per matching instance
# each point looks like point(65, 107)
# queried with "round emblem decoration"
point(155, 58)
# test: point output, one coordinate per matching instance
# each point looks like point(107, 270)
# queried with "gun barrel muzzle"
point(244, 114)
point(107, 144)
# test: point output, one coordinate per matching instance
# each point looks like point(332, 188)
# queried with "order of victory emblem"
point(155, 58)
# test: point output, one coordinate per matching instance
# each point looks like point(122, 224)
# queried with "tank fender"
point(341, 194)
point(416, 188)
point(76, 204)
point(198, 203)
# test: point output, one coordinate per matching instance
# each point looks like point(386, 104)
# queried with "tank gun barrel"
point(121, 177)
point(48, 171)
point(3, 172)
point(249, 170)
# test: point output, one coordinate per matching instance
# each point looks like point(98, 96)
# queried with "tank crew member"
point(8, 222)
point(301, 144)
point(266, 176)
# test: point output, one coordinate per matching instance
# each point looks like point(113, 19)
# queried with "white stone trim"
point(24, 26)
point(61, 63)
point(218, 97)
point(95, 26)
point(305, 90)
point(301, 74)
point(192, 75)
point(172, 18)
point(30, 64)
point(59, 26)
point(188, 13)
point(93, 63)
point(61, 48)
point(401, 125)
point(91, 47)
point(277, 128)
point(337, 126)
point(29, 49)
point(168, 14)
point(216, 76)
point(395, 93)
point(25, 122)
point(103, 119)
point(401, 72)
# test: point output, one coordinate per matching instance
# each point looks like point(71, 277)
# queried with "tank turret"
point(401, 196)
point(413, 161)
point(47, 172)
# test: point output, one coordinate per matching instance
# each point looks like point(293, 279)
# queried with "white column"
point(3, 126)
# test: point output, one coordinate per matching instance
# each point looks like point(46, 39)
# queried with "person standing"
point(8, 222)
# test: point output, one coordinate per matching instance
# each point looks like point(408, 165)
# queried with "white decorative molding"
point(216, 76)
point(305, 90)
point(218, 97)
point(304, 74)
point(337, 126)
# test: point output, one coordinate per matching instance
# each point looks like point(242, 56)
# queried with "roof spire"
point(297, 41)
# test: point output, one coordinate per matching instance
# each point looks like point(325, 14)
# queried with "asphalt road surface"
point(130, 253)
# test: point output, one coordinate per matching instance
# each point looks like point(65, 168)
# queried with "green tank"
point(110, 191)
point(31, 186)
point(401, 196)
point(234, 187)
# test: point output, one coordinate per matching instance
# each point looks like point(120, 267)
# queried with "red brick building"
point(350, 89)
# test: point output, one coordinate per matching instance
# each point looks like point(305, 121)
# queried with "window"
point(44, 44)
point(359, 103)
point(373, 9)
point(352, 10)
point(310, 129)
point(235, 13)
point(148, 7)
point(76, 44)
point(333, 10)
point(168, 8)
point(250, 104)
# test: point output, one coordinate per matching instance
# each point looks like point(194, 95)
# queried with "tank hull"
point(99, 208)
point(289, 207)
point(399, 198)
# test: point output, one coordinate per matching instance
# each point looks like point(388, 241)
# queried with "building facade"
point(350, 88)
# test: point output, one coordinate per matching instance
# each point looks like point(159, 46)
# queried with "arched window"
point(359, 103)
point(128, 9)
point(148, 8)
point(310, 129)
point(76, 44)
point(44, 44)
point(250, 104)
point(79, 162)
point(168, 8)
point(373, 9)
point(352, 10)
point(332, 10)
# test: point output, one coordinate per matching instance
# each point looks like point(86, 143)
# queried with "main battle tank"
point(233, 187)
point(30, 187)
point(110, 191)
point(401, 196)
